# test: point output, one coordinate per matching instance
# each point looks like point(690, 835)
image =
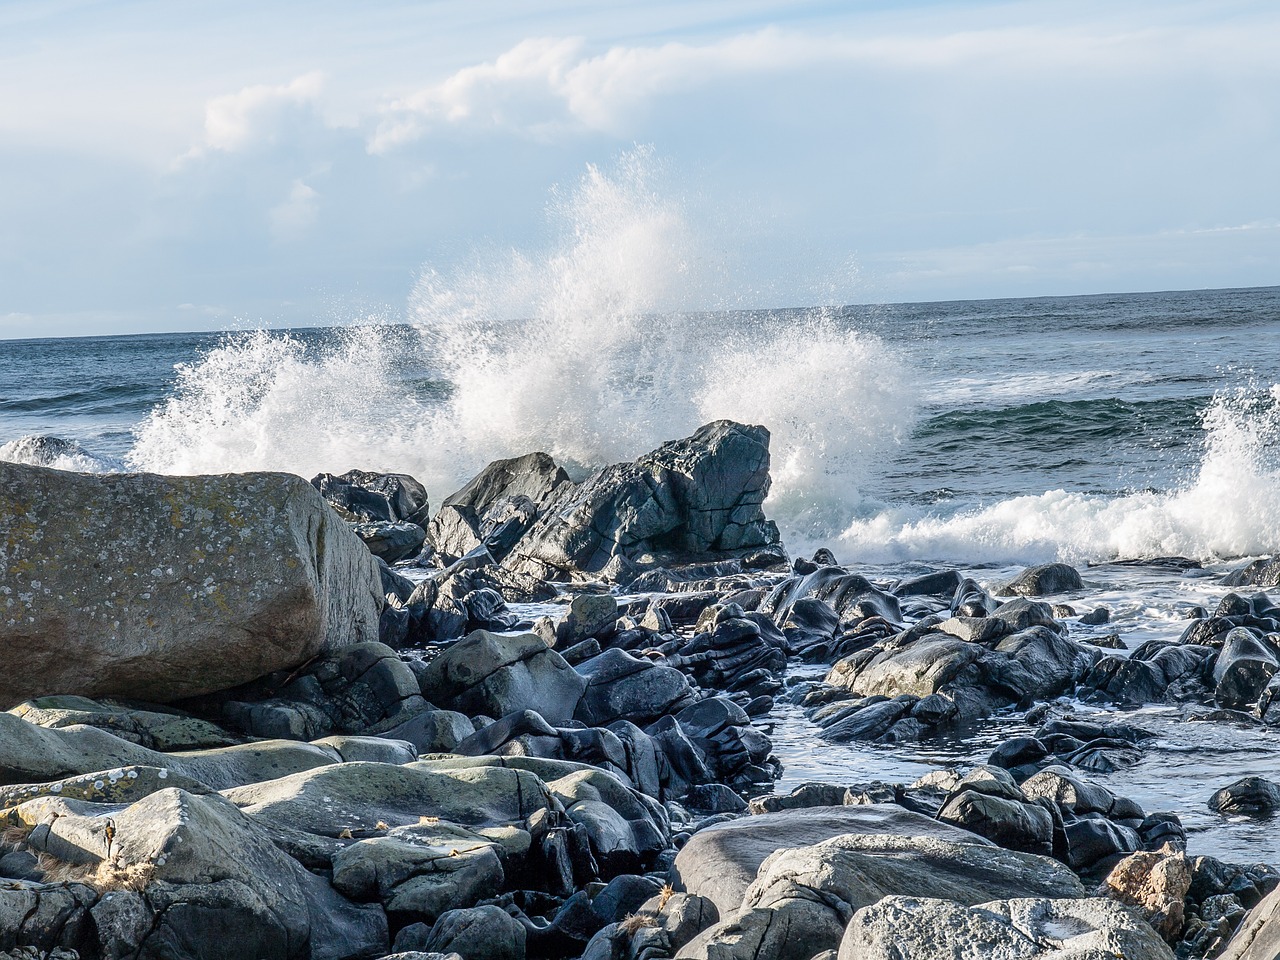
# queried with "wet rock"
point(358, 495)
point(131, 580)
point(1249, 795)
point(1027, 929)
point(499, 675)
point(1243, 669)
point(1260, 573)
point(686, 500)
point(1096, 617)
point(1043, 580)
point(48, 921)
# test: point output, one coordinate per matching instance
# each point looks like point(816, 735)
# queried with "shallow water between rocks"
point(1181, 768)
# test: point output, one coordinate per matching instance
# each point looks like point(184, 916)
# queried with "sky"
point(208, 165)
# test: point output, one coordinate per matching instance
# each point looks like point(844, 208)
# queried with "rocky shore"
point(249, 716)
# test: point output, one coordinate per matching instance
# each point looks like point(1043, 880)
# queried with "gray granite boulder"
point(916, 928)
point(160, 588)
point(802, 898)
point(720, 862)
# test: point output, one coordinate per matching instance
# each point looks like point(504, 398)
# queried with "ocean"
point(984, 435)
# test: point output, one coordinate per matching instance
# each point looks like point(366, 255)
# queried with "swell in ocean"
point(587, 350)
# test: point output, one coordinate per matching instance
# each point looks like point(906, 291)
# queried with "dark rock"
point(688, 499)
point(1096, 617)
point(1043, 580)
point(390, 541)
point(477, 933)
point(498, 675)
point(1249, 795)
point(1259, 573)
point(358, 495)
point(1243, 668)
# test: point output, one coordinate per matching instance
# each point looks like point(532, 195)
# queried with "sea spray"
point(1229, 507)
point(581, 350)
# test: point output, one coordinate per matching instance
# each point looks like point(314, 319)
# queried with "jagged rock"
point(360, 495)
point(1156, 883)
point(499, 675)
point(1043, 580)
point(121, 584)
point(1020, 929)
point(1260, 573)
point(690, 498)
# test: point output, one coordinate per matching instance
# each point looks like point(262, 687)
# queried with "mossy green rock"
point(149, 728)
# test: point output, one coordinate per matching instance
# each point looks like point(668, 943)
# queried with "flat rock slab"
point(159, 588)
point(721, 862)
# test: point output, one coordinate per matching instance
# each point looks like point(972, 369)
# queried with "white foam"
point(1231, 508)
point(56, 453)
point(580, 350)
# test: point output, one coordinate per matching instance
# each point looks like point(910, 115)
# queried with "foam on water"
point(57, 453)
point(1229, 508)
point(585, 351)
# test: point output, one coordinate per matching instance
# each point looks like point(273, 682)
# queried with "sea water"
point(980, 434)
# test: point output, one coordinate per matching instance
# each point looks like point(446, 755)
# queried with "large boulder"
point(720, 862)
point(210, 883)
point(122, 585)
point(802, 898)
point(696, 498)
point(917, 928)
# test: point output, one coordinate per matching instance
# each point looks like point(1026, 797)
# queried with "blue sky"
point(204, 165)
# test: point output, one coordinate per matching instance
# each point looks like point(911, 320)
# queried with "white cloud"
point(293, 217)
point(547, 85)
point(234, 121)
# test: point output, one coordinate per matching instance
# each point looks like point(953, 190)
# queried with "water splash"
point(587, 350)
point(57, 453)
point(1230, 507)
